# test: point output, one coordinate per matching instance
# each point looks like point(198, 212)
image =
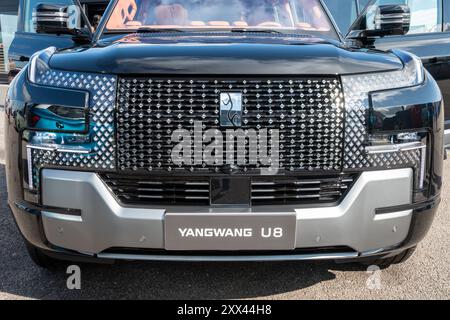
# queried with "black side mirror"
point(51, 19)
point(380, 21)
point(392, 20)
point(54, 19)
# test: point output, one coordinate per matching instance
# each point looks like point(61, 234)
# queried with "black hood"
point(222, 55)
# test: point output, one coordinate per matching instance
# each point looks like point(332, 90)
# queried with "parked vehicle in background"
point(428, 36)
point(27, 41)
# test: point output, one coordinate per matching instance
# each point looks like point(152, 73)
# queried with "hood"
point(222, 55)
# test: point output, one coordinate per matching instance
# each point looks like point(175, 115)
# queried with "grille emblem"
point(231, 109)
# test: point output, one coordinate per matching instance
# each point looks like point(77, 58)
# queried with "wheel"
point(384, 263)
point(41, 259)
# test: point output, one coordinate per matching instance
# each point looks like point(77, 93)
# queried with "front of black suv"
point(91, 133)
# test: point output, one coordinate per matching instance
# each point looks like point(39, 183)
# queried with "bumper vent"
point(158, 191)
point(310, 190)
point(308, 112)
point(149, 190)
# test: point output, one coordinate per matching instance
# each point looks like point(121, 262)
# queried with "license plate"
point(229, 232)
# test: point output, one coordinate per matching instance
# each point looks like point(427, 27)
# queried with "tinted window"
point(94, 10)
point(426, 15)
point(363, 4)
point(344, 13)
point(446, 15)
point(288, 16)
point(30, 6)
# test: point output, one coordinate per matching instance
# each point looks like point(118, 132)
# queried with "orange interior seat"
point(124, 12)
point(174, 14)
point(240, 24)
point(219, 23)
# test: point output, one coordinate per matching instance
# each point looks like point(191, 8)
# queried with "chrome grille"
point(157, 190)
point(190, 190)
point(303, 190)
point(308, 112)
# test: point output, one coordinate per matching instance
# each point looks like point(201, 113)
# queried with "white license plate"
point(230, 232)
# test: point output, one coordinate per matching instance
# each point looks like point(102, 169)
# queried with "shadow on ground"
point(159, 280)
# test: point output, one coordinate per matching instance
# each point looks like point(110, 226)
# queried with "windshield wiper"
point(256, 31)
point(270, 31)
point(157, 30)
point(233, 30)
point(163, 30)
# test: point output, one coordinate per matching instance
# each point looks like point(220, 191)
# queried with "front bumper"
point(104, 225)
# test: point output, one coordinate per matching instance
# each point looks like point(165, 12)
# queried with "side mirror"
point(52, 19)
point(380, 21)
point(59, 19)
point(392, 20)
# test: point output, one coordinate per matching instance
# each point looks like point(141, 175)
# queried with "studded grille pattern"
point(356, 93)
point(307, 112)
point(410, 158)
point(402, 159)
point(102, 94)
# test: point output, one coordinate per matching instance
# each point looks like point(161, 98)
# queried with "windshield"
point(289, 16)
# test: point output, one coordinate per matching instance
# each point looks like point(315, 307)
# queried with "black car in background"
point(428, 37)
point(27, 41)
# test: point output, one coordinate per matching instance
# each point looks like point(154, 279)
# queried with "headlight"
point(382, 150)
point(38, 64)
point(70, 119)
point(60, 120)
point(414, 70)
point(357, 87)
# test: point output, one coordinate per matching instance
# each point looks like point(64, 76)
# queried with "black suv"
point(215, 130)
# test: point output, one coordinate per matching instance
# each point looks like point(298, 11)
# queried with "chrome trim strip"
point(393, 215)
point(375, 252)
point(49, 19)
point(50, 14)
point(78, 150)
point(390, 148)
point(41, 147)
point(30, 168)
point(237, 258)
point(62, 217)
point(423, 160)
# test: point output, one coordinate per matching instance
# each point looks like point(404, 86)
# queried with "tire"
point(384, 263)
point(41, 259)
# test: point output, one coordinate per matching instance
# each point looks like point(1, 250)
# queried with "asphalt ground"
point(425, 276)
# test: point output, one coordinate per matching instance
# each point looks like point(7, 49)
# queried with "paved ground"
point(426, 275)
